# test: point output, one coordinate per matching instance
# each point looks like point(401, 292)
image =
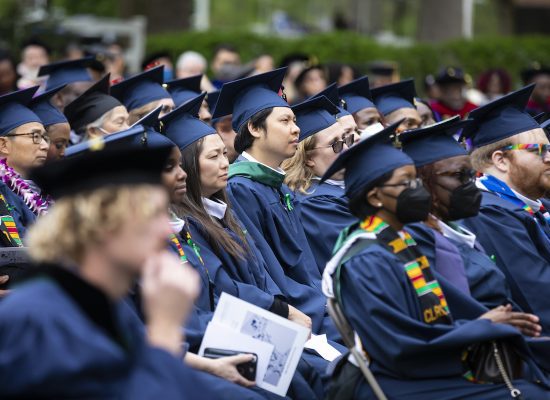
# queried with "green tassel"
point(288, 202)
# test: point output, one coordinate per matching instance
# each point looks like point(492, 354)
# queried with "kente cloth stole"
point(263, 174)
point(432, 300)
point(174, 239)
point(8, 226)
point(183, 258)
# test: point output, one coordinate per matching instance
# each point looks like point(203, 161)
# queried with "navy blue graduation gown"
point(243, 277)
point(324, 213)
point(21, 213)
point(486, 282)
point(280, 238)
point(307, 380)
point(412, 359)
point(56, 344)
point(204, 306)
point(520, 247)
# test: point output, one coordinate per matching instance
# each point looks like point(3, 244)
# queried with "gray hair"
point(98, 123)
point(190, 57)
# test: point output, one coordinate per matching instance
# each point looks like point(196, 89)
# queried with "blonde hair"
point(76, 222)
point(481, 157)
point(298, 174)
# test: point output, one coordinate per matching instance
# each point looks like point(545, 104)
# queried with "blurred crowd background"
point(494, 45)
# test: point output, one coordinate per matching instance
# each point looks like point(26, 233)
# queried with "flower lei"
point(37, 204)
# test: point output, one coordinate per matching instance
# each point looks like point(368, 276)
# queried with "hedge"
point(475, 56)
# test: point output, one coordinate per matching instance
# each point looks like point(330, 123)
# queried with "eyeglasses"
point(463, 175)
point(540, 149)
point(411, 184)
point(37, 137)
point(338, 145)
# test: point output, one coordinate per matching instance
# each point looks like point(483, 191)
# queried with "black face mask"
point(413, 205)
point(465, 201)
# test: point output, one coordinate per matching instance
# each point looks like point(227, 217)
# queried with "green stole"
point(262, 174)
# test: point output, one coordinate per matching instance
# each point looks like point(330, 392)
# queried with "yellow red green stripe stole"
point(174, 239)
point(196, 249)
point(432, 300)
point(193, 245)
point(7, 224)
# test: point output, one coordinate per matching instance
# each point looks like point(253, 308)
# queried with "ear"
point(57, 100)
point(310, 162)
point(5, 146)
point(93, 132)
point(500, 161)
point(254, 131)
point(373, 199)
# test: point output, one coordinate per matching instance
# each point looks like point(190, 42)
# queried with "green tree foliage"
point(100, 8)
point(475, 56)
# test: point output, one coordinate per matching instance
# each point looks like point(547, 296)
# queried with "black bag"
point(495, 362)
point(346, 377)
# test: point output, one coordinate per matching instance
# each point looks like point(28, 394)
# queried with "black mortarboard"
point(99, 167)
point(91, 104)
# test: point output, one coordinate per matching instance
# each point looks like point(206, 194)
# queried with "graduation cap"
point(43, 108)
point(295, 58)
point(183, 127)
point(137, 135)
point(543, 119)
point(528, 74)
point(368, 160)
point(392, 97)
point(501, 118)
point(331, 93)
point(183, 90)
point(152, 126)
point(314, 115)
point(433, 143)
point(450, 75)
point(357, 95)
point(246, 97)
point(65, 72)
point(14, 111)
point(383, 68)
point(141, 89)
point(212, 100)
point(91, 104)
point(98, 167)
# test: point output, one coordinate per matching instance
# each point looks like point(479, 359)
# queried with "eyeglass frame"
point(407, 184)
point(43, 136)
point(470, 175)
point(542, 148)
point(349, 140)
